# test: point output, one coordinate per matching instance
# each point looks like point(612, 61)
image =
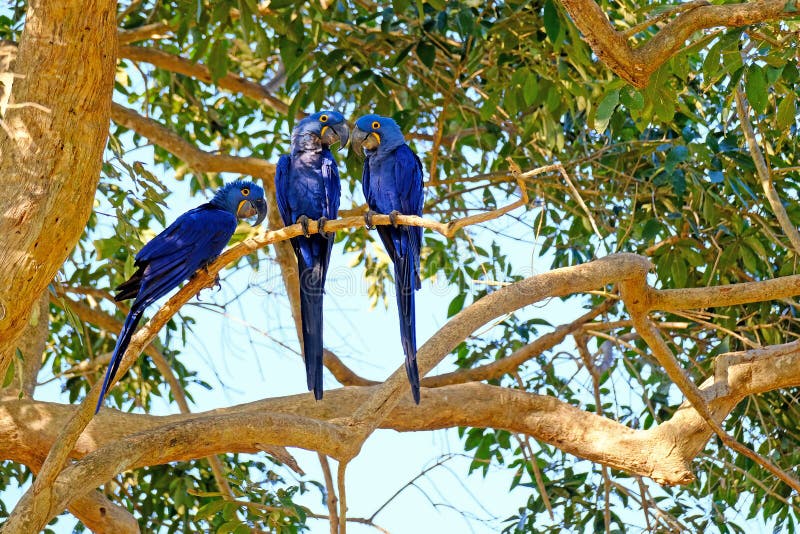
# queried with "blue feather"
point(392, 181)
point(191, 242)
point(307, 184)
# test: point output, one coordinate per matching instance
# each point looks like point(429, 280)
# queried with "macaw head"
point(243, 199)
point(324, 127)
point(375, 134)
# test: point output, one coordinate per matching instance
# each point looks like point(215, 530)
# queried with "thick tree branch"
point(633, 293)
point(197, 159)
point(636, 65)
point(230, 82)
point(102, 516)
point(509, 364)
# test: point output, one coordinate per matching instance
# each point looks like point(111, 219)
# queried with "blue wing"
point(403, 245)
point(191, 242)
point(408, 177)
point(365, 187)
point(333, 185)
point(282, 189)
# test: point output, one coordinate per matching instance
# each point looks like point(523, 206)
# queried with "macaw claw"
point(321, 228)
point(368, 219)
point(303, 220)
point(393, 217)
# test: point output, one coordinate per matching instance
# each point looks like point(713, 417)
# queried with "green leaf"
point(456, 305)
point(552, 23)
point(677, 154)
point(679, 272)
point(786, 113)
point(632, 99)
point(604, 111)
point(755, 85)
point(427, 53)
point(218, 59)
point(530, 89)
point(9, 375)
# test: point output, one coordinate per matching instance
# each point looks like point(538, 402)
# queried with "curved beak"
point(363, 141)
point(335, 133)
point(248, 208)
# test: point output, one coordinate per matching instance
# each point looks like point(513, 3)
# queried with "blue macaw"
point(307, 187)
point(193, 241)
point(392, 184)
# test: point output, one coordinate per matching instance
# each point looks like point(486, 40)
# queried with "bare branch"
point(330, 498)
point(633, 292)
point(156, 30)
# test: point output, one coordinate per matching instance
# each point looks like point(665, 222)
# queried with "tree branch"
point(636, 65)
point(197, 159)
point(156, 30)
point(230, 82)
point(510, 364)
point(330, 498)
point(632, 292)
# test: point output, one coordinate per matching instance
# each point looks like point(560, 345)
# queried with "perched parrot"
point(392, 183)
point(193, 241)
point(307, 187)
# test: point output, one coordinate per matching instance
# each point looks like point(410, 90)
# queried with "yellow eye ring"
point(323, 118)
point(245, 191)
point(376, 125)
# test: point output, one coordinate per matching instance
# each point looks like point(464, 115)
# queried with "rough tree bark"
point(51, 161)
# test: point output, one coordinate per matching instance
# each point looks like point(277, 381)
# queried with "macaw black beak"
point(363, 141)
point(248, 208)
point(261, 208)
point(335, 133)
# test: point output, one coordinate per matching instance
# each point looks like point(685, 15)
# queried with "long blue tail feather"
point(312, 261)
point(123, 340)
point(406, 283)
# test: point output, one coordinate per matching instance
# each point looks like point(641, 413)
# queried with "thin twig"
point(330, 498)
point(764, 173)
point(340, 480)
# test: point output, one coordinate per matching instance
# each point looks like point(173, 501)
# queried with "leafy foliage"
point(662, 171)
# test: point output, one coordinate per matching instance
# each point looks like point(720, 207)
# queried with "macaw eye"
point(376, 125)
point(245, 191)
point(323, 118)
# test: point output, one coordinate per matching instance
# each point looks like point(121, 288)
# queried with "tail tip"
point(415, 394)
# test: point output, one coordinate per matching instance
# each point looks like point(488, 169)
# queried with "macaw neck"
point(310, 159)
point(222, 203)
point(306, 143)
point(385, 149)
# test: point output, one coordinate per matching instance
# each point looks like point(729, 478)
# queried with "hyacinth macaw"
point(392, 184)
point(193, 241)
point(307, 187)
